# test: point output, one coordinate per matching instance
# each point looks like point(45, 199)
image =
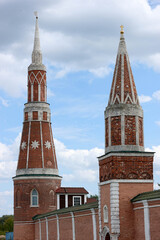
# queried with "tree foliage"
point(6, 224)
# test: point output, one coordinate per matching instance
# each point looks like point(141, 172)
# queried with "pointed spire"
point(36, 54)
point(123, 87)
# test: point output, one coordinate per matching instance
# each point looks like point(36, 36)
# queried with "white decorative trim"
point(46, 228)
point(126, 181)
point(130, 78)
point(39, 92)
point(99, 211)
point(58, 203)
point(40, 236)
point(116, 98)
point(152, 206)
point(66, 200)
point(105, 214)
point(37, 177)
point(109, 131)
point(122, 78)
point(31, 199)
point(94, 224)
point(128, 97)
point(146, 220)
point(77, 197)
point(73, 225)
point(31, 92)
point(137, 131)
point(114, 204)
point(136, 154)
point(53, 148)
point(58, 235)
point(115, 79)
point(29, 171)
point(29, 132)
point(85, 198)
point(42, 144)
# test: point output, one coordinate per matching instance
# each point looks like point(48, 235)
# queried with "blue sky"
point(79, 41)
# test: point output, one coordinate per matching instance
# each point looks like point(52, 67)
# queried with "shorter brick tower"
point(126, 169)
point(37, 175)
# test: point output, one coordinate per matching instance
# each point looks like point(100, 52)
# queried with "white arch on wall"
point(104, 232)
point(105, 214)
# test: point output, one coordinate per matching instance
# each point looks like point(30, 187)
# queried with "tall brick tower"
point(126, 169)
point(37, 175)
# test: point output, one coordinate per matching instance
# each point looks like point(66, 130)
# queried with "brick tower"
point(37, 175)
point(126, 169)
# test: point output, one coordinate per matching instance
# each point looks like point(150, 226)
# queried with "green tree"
point(8, 224)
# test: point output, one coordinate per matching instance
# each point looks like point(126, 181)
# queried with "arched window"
point(105, 214)
point(34, 198)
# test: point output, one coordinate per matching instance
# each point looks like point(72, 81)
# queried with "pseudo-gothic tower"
point(126, 169)
point(37, 175)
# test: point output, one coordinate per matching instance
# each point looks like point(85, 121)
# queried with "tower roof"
point(36, 53)
point(123, 88)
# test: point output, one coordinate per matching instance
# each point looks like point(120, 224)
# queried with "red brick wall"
point(36, 77)
point(127, 85)
point(105, 200)
point(52, 228)
point(23, 153)
point(126, 192)
point(130, 130)
point(118, 82)
point(140, 131)
point(35, 155)
point(24, 212)
point(44, 115)
point(35, 115)
point(126, 167)
point(65, 227)
point(154, 214)
point(116, 130)
point(83, 226)
point(138, 222)
point(24, 231)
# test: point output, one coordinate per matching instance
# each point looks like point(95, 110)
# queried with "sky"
point(79, 42)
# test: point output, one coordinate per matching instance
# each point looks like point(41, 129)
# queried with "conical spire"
point(36, 53)
point(123, 115)
point(123, 87)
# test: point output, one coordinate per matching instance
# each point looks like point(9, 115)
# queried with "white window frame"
point(79, 198)
point(105, 214)
point(32, 198)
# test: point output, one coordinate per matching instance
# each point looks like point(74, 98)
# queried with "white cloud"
point(4, 102)
point(76, 35)
point(155, 149)
point(158, 123)
point(144, 99)
point(156, 95)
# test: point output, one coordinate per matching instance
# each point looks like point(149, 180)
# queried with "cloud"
point(144, 99)
point(78, 165)
point(75, 36)
point(4, 102)
point(155, 149)
point(156, 95)
point(158, 123)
